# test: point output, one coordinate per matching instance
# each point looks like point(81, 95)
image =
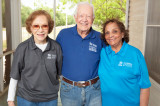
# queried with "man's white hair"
point(84, 3)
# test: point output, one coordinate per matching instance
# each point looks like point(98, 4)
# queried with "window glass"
point(153, 12)
point(152, 50)
point(63, 12)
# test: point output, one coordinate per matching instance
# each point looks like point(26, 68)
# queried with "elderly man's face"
point(84, 18)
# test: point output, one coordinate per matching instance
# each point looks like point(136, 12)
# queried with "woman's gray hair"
point(84, 3)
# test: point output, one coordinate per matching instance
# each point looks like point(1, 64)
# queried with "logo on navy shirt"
point(51, 56)
point(92, 47)
point(126, 64)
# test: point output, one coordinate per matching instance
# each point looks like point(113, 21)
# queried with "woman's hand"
point(11, 103)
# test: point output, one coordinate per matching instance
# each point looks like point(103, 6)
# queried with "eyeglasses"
point(37, 27)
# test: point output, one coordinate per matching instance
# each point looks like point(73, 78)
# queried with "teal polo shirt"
point(81, 56)
point(122, 75)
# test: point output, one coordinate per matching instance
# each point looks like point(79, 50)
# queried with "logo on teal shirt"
point(125, 64)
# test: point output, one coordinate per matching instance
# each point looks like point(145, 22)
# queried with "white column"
point(16, 30)
point(1, 49)
point(145, 25)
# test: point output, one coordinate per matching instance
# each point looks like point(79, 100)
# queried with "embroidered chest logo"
point(92, 47)
point(125, 64)
point(51, 56)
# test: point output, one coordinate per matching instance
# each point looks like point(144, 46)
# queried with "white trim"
point(6, 53)
point(127, 14)
point(153, 25)
point(1, 49)
point(145, 25)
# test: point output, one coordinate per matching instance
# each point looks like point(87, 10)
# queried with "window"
point(152, 49)
point(63, 13)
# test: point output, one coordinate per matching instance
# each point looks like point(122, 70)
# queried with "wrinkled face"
point(40, 29)
point(113, 35)
point(84, 18)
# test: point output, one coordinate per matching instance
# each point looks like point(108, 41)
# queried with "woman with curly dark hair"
point(122, 70)
point(36, 65)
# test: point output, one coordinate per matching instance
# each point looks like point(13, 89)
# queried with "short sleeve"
point(17, 63)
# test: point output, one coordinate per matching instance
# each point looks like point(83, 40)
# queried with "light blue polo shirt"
point(81, 56)
point(122, 75)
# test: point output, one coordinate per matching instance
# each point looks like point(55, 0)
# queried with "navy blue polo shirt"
point(122, 76)
point(81, 56)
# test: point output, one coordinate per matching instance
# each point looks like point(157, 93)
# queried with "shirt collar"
point(33, 45)
point(49, 46)
point(90, 35)
point(121, 52)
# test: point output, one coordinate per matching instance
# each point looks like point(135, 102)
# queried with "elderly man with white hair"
point(81, 46)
